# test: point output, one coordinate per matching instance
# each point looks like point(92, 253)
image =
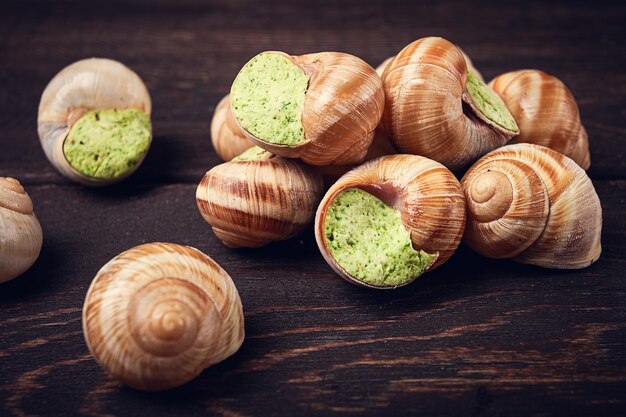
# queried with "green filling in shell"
point(368, 240)
point(253, 154)
point(268, 98)
point(489, 103)
point(107, 144)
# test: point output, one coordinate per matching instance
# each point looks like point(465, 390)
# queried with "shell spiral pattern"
point(158, 314)
point(20, 232)
point(534, 205)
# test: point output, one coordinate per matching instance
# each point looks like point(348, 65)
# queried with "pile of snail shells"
point(533, 205)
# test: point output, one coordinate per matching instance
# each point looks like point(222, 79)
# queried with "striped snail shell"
point(545, 111)
point(109, 107)
point(534, 205)
point(322, 108)
point(362, 216)
point(20, 232)
point(436, 108)
point(158, 314)
point(258, 198)
point(227, 138)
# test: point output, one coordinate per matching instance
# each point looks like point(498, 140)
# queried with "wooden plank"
point(188, 52)
point(475, 337)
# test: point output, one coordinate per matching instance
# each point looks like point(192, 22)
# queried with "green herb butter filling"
point(367, 239)
point(268, 98)
point(106, 144)
point(253, 154)
point(489, 103)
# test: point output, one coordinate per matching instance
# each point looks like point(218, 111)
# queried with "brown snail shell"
point(534, 205)
point(158, 314)
point(381, 146)
point(85, 85)
point(250, 203)
point(380, 69)
point(20, 232)
point(427, 194)
point(227, 138)
point(343, 104)
point(428, 110)
point(545, 111)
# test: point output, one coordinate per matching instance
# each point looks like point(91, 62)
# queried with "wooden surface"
point(477, 337)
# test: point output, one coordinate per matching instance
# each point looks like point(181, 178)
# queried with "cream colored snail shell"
point(227, 138)
point(20, 232)
point(534, 205)
point(79, 90)
point(158, 314)
point(436, 108)
point(546, 112)
point(427, 196)
point(336, 108)
point(258, 198)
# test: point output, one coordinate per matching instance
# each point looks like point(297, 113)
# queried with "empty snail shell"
point(389, 220)
point(158, 314)
point(534, 205)
point(322, 108)
point(436, 108)
point(258, 198)
point(20, 231)
point(227, 138)
point(545, 111)
point(94, 121)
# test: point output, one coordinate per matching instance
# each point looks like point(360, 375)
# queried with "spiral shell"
point(429, 111)
point(343, 104)
point(158, 314)
point(426, 193)
point(380, 69)
point(88, 84)
point(534, 205)
point(20, 233)
point(251, 202)
point(227, 139)
point(546, 112)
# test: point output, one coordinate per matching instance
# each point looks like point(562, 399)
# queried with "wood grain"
point(476, 337)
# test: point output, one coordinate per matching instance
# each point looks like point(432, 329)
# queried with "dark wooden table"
point(476, 337)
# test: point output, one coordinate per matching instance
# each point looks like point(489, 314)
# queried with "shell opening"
point(108, 143)
point(267, 99)
point(488, 103)
point(369, 241)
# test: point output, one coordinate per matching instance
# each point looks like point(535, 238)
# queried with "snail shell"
point(158, 314)
point(20, 232)
point(343, 104)
point(381, 146)
point(380, 69)
point(228, 140)
point(430, 110)
point(426, 193)
point(546, 112)
point(88, 84)
point(258, 198)
point(534, 205)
